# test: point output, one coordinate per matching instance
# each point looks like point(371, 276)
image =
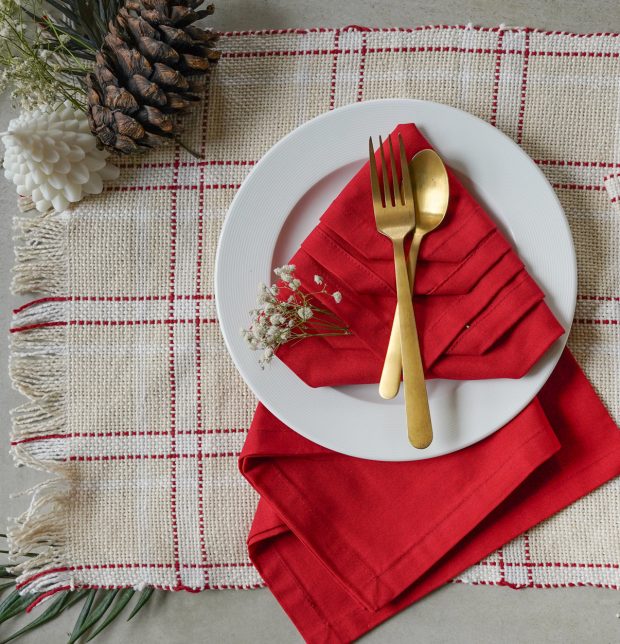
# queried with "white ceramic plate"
point(281, 201)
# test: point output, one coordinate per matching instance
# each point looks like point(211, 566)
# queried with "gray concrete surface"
point(455, 613)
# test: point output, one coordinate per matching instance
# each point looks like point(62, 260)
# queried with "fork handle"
point(390, 375)
point(419, 428)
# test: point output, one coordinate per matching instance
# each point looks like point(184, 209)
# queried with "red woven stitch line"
point(186, 164)
point(174, 187)
point(198, 343)
point(360, 81)
point(169, 456)
point(270, 53)
point(528, 558)
point(521, 116)
point(127, 434)
point(124, 566)
point(550, 564)
point(577, 54)
point(500, 557)
point(280, 32)
point(110, 298)
point(172, 373)
point(41, 598)
point(599, 298)
point(570, 584)
point(332, 85)
point(587, 164)
point(613, 175)
point(177, 588)
point(153, 322)
point(496, 78)
point(578, 186)
point(596, 321)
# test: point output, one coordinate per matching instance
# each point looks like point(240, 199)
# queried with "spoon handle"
point(419, 428)
point(392, 365)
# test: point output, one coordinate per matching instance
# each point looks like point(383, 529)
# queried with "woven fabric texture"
point(135, 406)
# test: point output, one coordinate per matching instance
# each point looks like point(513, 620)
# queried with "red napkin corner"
point(344, 543)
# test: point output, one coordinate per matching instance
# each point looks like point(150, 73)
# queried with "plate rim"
point(275, 148)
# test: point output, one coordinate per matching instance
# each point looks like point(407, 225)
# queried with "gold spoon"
point(430, 193)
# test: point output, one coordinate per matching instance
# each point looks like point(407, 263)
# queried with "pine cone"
point(143, 72)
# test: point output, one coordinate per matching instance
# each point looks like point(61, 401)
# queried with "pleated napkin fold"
point(478, 312)
point(344, 543)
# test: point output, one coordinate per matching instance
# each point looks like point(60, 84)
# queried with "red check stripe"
point(171, 372)
point(153, 322)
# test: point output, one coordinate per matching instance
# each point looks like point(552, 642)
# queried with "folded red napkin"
point(345, 543)
point(479, 314)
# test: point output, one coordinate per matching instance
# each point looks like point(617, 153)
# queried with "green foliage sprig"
point(48, 46)
point(100, 607)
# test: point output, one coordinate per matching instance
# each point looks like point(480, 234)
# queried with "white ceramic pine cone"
point(52, 157)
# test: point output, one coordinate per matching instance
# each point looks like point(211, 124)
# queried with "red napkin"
point(345, 543)
point(479, 314)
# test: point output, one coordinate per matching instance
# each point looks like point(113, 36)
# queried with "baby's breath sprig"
point(285, 313)
point(47, 47)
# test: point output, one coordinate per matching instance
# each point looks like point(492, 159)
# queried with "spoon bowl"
point(430, 190)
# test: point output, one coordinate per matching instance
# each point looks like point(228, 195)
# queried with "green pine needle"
point(99, 607)
point(88, 604)
point(145, 595)
point(9, 584)
point(16, 605)
point(107, 597)
point(63, 601)
point(124, 597)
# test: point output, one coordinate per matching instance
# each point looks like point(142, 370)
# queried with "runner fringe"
point(39, 371)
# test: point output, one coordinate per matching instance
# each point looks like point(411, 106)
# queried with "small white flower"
point(259, 331)
point(264, 294)
point(305, 313)
point(276, 321)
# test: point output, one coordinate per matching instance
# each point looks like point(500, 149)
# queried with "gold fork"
point(395, 218)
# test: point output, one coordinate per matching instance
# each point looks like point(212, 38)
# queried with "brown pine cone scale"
point(143, 73)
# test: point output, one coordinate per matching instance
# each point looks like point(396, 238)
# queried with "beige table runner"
point(137, 410)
